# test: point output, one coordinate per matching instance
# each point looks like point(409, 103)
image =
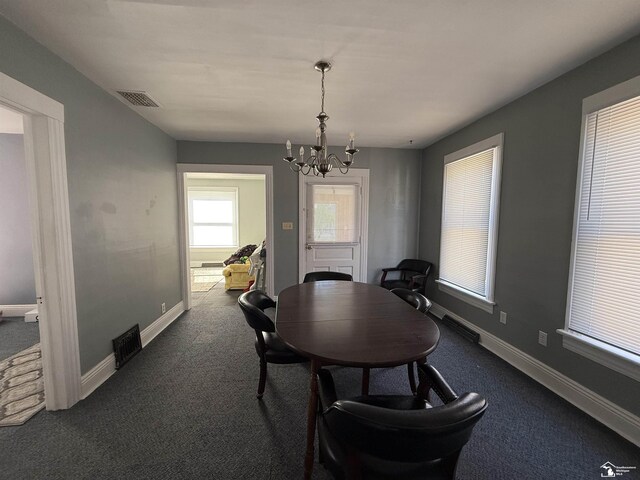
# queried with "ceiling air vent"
point(139, 99)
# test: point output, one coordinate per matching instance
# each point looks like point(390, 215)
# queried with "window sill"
point(615, 358)
point(466, 296)
point(200, 247)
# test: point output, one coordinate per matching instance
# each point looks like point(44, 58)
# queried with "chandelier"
point(320, 161)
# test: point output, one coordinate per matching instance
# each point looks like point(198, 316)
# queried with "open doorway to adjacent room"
point(18, 309)
point(226, 234)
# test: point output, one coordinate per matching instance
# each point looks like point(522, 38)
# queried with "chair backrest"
point(319, 276)
point(406, 435)
point(253, 303)
point(415, 299)
point(415, 265)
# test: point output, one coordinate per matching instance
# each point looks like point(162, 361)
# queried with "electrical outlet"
point(163, 307)
point(542, 338)
point(287, 225)
point(503, 317)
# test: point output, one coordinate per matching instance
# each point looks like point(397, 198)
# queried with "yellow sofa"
point(236, 276)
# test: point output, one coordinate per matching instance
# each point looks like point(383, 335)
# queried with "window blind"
point(466, 221)
point(604, 300)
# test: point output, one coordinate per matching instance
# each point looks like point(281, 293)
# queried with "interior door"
point(332, 222)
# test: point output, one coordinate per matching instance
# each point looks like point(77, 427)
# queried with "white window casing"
point(469, 233)
point(603, 300)
point(213, 217)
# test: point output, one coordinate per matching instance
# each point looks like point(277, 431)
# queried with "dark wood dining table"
point(351, 324)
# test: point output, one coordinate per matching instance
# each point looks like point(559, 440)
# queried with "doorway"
point(18, 310)
point(225, 217)
point(334, 218)
point(46, 174)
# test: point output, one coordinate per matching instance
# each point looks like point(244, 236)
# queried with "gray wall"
point(122, 194)
point(17, 283)
point(541, 142)
point(393, 200)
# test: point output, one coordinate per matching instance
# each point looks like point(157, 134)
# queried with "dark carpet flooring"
point(16, 335)
point(185, 407)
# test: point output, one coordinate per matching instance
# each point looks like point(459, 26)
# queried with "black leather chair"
point(384, 437)
point(269, 346)
point(319, 276)
point(410, 273)
point(415, 299)
point(422, 304)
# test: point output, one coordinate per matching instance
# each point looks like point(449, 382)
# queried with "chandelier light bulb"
point(288, 148)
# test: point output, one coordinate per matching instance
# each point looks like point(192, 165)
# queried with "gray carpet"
point(185, 407)
point(16, 335)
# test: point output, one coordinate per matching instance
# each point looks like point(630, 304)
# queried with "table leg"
point(311, 419)
point(365, 381)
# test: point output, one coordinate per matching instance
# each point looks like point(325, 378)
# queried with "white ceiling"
point(10, 122)
point(242, 70)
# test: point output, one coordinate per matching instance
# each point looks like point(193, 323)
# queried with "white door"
point(333, 224)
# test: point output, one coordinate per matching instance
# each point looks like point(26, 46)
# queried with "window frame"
point(486, 302)
point(209, 193)
point(600, 352)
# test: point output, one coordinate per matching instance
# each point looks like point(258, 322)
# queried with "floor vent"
point(139, 99)
point(127, 345)
point(466, 332)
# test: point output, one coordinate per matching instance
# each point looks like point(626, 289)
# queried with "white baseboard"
point(606, 412)
point(107, 367)
point(16, 310)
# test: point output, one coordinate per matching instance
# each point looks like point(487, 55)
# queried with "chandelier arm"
point(294, 167)
point(307, 171)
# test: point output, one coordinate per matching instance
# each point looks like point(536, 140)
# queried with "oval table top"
point(353, 324)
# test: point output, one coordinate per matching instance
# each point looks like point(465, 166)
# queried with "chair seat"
point(391, 284)
point(395, 402)
point(277, 351)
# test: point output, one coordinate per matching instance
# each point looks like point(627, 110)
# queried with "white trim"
point(612, 357)
point(363, 175)
point(608, 413)
point(491, 142)
point(107, 367)
point(618, 93)
point(212, 193)
point(98, 375)
point(46, 166)
point(153, 330)
point(185, 257)
point(27, 100)
point(16, 310)
point(466, 296)
point(495, 142)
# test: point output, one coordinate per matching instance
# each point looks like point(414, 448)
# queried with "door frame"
point(363, 175)
point(185, 257)
point(48, 193)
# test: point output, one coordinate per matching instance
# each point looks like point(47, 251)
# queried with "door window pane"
point(333, 214)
